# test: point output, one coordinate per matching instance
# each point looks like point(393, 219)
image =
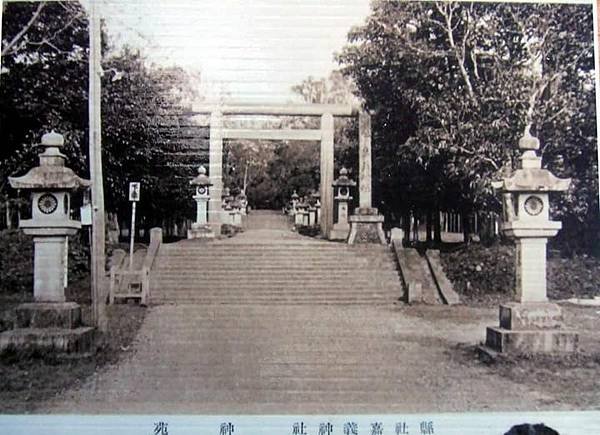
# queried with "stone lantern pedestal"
point(530, 324)
point(201, 228)
point(366, 226)
point(342, 198)
point(50, 323)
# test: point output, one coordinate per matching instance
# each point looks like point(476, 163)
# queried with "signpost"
point(134, 197)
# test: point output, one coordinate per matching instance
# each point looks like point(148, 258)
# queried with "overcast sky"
point(246, 50)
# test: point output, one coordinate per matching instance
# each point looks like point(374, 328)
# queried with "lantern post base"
point(366, 226)
point(50, 327)
point(201, 231)
point(340, 231)
point(529, 328)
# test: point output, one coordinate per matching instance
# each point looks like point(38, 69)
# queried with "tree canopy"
point(45, 86)
point(453, 86)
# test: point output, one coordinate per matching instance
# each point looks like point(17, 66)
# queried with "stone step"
point(283, 254)
point(271, 262)
point(257, 277)
point(281, 245)
point(275, 286)
point(298, 251)
point(271, 301)
point(291, 252)
point(273, 290)
point(184, 293)
point(234, 273)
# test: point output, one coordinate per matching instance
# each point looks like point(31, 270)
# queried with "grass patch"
point(28, 378)
point(485, 275)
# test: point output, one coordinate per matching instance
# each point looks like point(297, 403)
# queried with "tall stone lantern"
point(342, 198)
point(530, 323)
point(295, 200)
point(201, 229)
point(50, 322)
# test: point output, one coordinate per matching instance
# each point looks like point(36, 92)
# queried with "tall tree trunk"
point(466, 227)
point(406, 226)
point(428, 227)
point(437, 228)
point(8, 216)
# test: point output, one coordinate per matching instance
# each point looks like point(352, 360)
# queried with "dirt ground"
point(28, 379)
point(313, 359)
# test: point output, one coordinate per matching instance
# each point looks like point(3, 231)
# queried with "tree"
point(454, 84)
point(44, 87)
point(44, 58)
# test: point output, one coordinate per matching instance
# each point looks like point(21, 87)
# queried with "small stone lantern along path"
point(50, 323)
point(531, 324)
point(342, 198)
point(201, 229)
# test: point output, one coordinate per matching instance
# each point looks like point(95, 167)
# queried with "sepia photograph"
point(299, 217)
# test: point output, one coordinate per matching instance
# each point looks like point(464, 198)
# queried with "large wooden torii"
point(325, 135)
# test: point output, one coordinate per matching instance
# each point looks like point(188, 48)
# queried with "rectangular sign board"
point(134, 191)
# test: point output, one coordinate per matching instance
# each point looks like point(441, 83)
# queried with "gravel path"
point(307, 359)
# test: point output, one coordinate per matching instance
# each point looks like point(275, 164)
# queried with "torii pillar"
point(326, 170)
point(215, 171)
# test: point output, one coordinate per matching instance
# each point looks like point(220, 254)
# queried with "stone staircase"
point(289, 271)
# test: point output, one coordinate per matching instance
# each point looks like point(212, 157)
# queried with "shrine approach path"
point(197, 358)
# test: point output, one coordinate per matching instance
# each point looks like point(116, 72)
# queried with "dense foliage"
point(453, 85)
point(44, 86)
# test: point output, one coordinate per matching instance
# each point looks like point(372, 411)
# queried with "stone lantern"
point(317, 198)
point(201, 229)
point(342, 197)
point(50, 322)
point(301, 214)
point(295, 199)
point(531, 323)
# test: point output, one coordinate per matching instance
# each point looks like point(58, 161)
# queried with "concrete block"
point(530, 315)
point(414, 292)
point(65, 315)
point(532, 341)
point(199, 231)
point(397, 234)
point(56, 340)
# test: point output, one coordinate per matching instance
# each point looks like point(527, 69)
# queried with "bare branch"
point(474, 60)
point(473, 153)
point(460, 57)
point(24, 30)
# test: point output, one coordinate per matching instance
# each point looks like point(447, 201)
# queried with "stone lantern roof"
point(343, 179)
point(51, 174)
point(201, 179)
point(530, 177)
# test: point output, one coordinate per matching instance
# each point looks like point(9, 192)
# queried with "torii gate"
point(325, 135)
